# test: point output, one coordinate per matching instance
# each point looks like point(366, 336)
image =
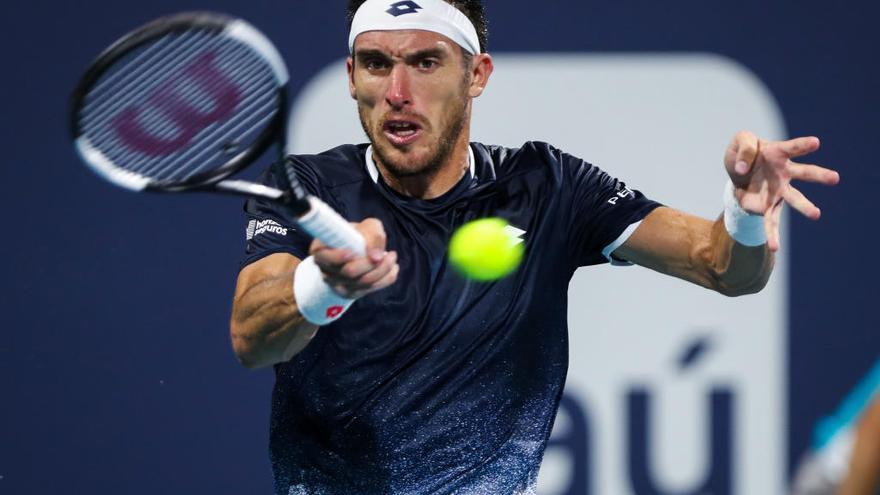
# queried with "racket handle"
point(324, 224)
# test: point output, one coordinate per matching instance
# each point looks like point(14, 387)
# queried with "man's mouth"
point(401, 132)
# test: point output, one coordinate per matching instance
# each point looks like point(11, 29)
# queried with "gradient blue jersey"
point(437, 384)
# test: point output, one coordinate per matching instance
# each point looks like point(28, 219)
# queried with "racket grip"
point(324, 224)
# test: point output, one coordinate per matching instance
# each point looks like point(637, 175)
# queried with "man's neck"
point(436, 184)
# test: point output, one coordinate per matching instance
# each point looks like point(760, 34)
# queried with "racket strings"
point(157, 124)
point(128, 95)
point(197, 161)
point(258, 106)
point(99, 108)
point(134, 79)
point(175, 84)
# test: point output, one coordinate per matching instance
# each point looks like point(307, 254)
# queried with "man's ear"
point(481, 70)
point(349, 66)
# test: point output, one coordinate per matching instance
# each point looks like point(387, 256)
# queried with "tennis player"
point(394, 374)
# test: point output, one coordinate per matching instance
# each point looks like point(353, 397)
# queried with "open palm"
point(762, 171)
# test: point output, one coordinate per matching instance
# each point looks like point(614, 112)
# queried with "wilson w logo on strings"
point(179, 108)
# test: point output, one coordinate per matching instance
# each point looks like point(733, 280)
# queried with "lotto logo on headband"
point(436, 16)
point(402, 8)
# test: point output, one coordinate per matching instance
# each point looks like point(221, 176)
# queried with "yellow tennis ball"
point(485, 249)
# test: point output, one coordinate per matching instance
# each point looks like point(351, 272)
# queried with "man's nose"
point(398, 94)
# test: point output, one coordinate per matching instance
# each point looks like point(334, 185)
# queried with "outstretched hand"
point(762, 171)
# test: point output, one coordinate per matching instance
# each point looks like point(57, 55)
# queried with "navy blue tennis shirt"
point(437, 384)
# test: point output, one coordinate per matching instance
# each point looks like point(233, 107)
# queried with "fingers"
point(382, 283)
point(351, 275)
point(361, 274)
point(799, 146)
point(372, 277)
point(330, 260)
point(813, 173)
point(375, 238)
point(745, 148)
point(376, 277)
point(388, 279)
point(799, 202)
point(353, 270)
point(771, 226)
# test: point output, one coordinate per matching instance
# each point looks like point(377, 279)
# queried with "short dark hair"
point(473, 9)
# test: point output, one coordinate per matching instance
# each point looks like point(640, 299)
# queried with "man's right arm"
point(266, 326)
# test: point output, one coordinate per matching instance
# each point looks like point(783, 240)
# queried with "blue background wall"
point(115, 368)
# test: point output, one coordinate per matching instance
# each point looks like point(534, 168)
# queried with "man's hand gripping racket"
point(185, 101)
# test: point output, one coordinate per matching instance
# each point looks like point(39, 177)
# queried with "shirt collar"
point(374, 171)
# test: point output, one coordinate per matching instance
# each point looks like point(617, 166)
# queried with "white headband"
point(426, 15)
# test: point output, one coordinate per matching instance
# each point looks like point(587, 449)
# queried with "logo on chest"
point(515, 233)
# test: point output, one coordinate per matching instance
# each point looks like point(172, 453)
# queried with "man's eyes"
point(375, 64)
point(380, 64)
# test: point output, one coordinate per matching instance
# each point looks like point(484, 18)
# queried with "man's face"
point(413, 95)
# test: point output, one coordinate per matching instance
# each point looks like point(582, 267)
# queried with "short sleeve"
point(270, 228)
point(604, 212)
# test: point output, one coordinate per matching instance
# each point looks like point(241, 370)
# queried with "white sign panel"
point(672, 389)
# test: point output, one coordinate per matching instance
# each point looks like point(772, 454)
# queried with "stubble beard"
point(434, 161)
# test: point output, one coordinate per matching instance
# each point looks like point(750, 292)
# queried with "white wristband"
point(317, 301)
point(744, 227)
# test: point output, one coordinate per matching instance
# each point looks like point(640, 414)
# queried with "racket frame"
point(315, 216)
point(210, 179)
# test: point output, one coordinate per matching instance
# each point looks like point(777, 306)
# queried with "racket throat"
point(244, 188)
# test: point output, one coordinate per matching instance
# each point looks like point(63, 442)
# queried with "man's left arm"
point(705, 252)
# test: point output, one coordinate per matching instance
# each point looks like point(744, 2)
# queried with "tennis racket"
point(185, 101)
